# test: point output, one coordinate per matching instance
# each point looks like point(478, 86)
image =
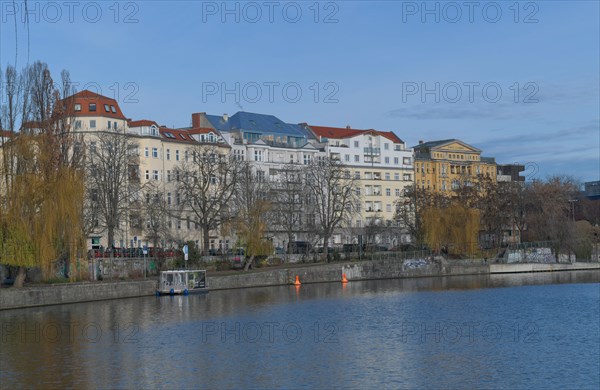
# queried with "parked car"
point(238, 260)
point(299, 247)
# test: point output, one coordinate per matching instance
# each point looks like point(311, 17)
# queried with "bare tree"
point(335, 200)
point(288, 193)
point(109, 157)
point(549, 215)
point(155, 212)
point(207, 184)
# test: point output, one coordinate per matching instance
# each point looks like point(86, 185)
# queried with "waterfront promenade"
point(13, 298)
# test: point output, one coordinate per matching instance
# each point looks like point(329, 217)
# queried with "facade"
point(445, 165)
point(384, 168)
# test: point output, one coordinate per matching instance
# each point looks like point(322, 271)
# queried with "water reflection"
point(450, 332)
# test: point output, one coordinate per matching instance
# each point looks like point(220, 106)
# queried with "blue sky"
point(359, 63)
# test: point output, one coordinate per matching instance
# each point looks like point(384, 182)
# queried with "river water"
point(496, 331)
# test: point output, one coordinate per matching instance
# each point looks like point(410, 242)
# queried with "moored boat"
point(182, 282)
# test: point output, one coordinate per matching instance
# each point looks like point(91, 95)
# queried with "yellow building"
point(446, 165)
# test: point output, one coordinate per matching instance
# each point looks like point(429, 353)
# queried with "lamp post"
point(572, 202)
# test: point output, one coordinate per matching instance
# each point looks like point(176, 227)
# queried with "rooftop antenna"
point(239, 106)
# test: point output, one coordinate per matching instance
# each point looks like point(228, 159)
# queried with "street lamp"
point(572, 201)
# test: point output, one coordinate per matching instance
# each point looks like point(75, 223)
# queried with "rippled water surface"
point(498, 331)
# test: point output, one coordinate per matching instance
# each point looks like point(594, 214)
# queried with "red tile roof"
point(6, 133)
point(344, 132)
point(85, 98)
point(142, 122)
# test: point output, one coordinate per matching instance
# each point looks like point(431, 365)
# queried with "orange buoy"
point(344, 280)
point(297, 282)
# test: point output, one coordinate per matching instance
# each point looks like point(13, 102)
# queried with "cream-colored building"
point(384, 169)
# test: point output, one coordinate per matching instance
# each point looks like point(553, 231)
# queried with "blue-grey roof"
point(256, 123)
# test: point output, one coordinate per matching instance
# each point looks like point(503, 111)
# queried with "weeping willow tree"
point(252, 213)
point(40, 218)
point(41, 182)
point(454, 227)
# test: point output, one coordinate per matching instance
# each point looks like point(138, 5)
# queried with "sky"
point(518, 80)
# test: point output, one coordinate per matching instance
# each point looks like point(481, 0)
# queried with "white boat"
point(182, 282)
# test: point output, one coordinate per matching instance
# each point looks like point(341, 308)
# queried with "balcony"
point(370, 151)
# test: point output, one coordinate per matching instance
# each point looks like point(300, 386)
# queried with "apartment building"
point(384, 168)
point(445, 165)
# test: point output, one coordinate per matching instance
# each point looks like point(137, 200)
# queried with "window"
point(388, 208)
point(407, 177)
point(177, 155)
point(357, 191)
point(77, 107)
point(387, 160)
point(169, 135)
point(93, 146)
point(168, 154)
point(387, 176)
point(177, 198)
point(396, 160)
point(397, 191)
point(146, 152)
point(186, 155)
point(347, 157)
point(388, 192)
point(92, 124)
point(406, 160)
point(258, 155)
point(358, 223)
point(356, 158)
point(307, 159)
point(147, 175)
point(115, 125)
point(155, 175)
point(113, 109)
point(168, 175)
point(77, 125)
point(396, 176)
point(357, 175)
point(106, 108)
point(92, 106)
point(356, 144)
point(155, 152)
point(386, 146)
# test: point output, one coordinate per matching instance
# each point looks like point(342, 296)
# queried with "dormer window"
point(106, 108)
point(77, 107)
point(92, 106)
point(113, 109)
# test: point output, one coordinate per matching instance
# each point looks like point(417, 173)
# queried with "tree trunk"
point(248, 263)
point(20, 278)
point(205, 234)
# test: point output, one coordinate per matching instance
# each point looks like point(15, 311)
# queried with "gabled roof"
point(255, 123)
point(85, 98)
point(345, 132)
point(141, 123)
point(443, 142)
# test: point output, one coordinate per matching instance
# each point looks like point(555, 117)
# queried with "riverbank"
point(12, 298)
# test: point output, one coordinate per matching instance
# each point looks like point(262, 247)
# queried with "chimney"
point(420, 142)
point(225, 117)
point(348, 127)
point(196, 119)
